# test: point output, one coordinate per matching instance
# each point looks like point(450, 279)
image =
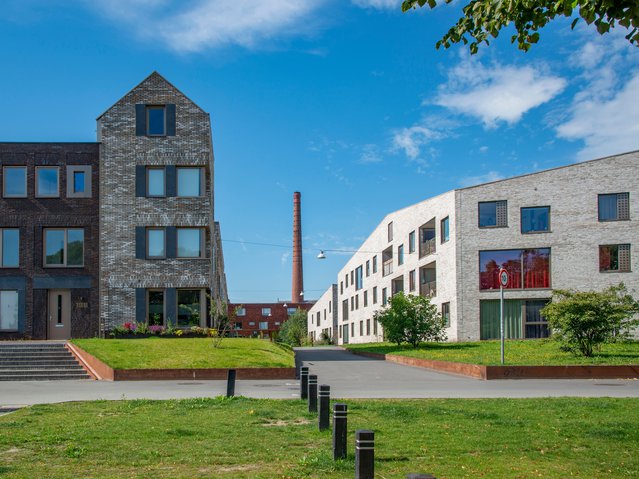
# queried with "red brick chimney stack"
point(298, 275)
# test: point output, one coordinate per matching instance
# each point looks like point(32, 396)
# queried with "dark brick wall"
point(32, 214)
point(254, 315)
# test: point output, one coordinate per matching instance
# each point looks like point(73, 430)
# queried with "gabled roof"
point(153, 75)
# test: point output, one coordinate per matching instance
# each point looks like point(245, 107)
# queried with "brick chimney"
point(298, 275)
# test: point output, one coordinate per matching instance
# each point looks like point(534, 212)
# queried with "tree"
point(411, 319)
point(294, 330)
point(485, 18)
point(582, 321)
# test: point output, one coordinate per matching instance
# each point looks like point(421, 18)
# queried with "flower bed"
point(132, 330)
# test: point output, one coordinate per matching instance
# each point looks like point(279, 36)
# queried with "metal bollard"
point(303, 382)
point(312, 393)
point(324, 397)
point(230, 383)
point(364, 454)
point(420, 476)
point(340, 430)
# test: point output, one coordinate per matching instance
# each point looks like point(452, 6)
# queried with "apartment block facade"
point(98, 234)
point(572, 227)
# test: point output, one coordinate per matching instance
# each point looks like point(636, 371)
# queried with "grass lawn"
point(250, 438)
point(173, 353)
point(531, 352)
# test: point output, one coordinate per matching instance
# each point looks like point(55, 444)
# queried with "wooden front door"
point(59, 314)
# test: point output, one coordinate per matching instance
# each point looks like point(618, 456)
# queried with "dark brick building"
point(49, 240)
point(261, 319)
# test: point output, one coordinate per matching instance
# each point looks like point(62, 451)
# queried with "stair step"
point(37, 362)
point(60, 362)
point(45, 377)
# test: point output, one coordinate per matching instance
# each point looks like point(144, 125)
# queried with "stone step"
point(36, 362)
point(22, 349)
point(40, 367)
point(36, 354)
point(45, 377)
point(40, 371)
point(24, 361)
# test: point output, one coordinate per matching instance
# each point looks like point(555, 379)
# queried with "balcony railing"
point(428, 289)
point(426, 247)
point(387, 268)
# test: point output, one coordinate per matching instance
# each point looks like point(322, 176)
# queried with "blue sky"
point(345, 101)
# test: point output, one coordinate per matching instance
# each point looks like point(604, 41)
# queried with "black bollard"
point(364, 454)
point(230, 383)
point(420, 476)
point(312, 393)
point(303, 382)
point(324, 397)
point(340, 430)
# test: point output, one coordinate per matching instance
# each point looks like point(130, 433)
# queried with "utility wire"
point(255, 243)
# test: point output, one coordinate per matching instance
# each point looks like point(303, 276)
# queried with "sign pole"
point(503, 282)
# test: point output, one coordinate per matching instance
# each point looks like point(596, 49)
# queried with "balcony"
point(387, 261)
point(428, 290)
point(427, 247)
point(387, 268)
point(427, 238)
point(428, 280)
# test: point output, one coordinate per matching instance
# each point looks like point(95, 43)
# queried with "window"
point(445, 230)
point(397, 285)
point(614, 207)
point(155, 243)
point(352, 303)
point(427, 239)
point(319, 318)
point(365, 298)
point(529, 268)
point(390, 231)
point(290, 311)
point(155, 308)
point(446, 314)
point(535, 219)
point(359, 280)
point(47, 182)
point(238, 325)
point(266, 311)
point(263, 324)
point(614, 257)
point(251, 323)
point(361, 328)
point(353, 329)
point(384, 296)
point(368, 268)
point(368, 327)
point(15, 181)
point(522, 319)
point(493, 214)
point(189, 304)
point(374, 264)
point(352, 277)
point(155, 182)
point(155, 120)
point(357, 301)
point(375, 327)
point(8, 310)
point(345, 310)
point(240, 311)
point(341, 287)
point(411, 242)
point(346, 280)
point(387, 261)
point(190, 242)
point(411, 280)
point(400, 255)
point(64, 247)
point(375, 295)
point(9, 248)
point(189, 181)
point(78, 181)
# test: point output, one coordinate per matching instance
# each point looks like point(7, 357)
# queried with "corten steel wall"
point(31, 215)
point(121, 211)
point(254, 315)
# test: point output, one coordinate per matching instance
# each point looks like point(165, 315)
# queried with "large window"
point(155, 182)
point(64, 247)
point(522, 319)
point(614, 207)
point(529, 268)
point(189, 307)
point(445, 230)
point(47, 181)
point(359, 280)
point(14, 181)
point(155, 308)
point(189, 182)
point(614, 257)
point(8, 310)
point(493, 214)
point(155, 243)
point(189, 242)
point(535, 219)
point(155, 120)
point(9, 248)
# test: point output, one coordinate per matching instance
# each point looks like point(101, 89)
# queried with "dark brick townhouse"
point(261, 319)
point(93, 235)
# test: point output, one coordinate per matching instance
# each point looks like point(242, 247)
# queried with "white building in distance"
point(572, 227)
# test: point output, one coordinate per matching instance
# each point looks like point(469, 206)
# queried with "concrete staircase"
point(38, 361)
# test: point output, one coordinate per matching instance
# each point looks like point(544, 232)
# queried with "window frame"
point(389, 231)
point(411, 242)
point(65, 249)
point(148, 183)
point(266, 312)
point(400, 254)
point(149, 291)
point(618, 270)
point(38, 169)
point(522, 267)
point(497, 224)
point(148, 230)
point(71, 171)
point(147, 109)
point(445, 312)
point(2, 265)
point(617, 197)
point(521, 220)
point(201, 185)
point(4, 181)
point(202, 303)
point(444, 238)
point(17, 293)
point(202, 242)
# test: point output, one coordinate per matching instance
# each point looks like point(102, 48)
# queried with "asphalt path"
point(348, 375)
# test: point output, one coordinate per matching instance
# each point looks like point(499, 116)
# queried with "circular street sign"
point(503, 277)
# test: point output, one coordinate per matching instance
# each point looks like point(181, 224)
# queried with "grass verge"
point(536, 352)
point(249, 438)
point(175, 353)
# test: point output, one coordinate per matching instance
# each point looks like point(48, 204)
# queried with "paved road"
point(348, 375)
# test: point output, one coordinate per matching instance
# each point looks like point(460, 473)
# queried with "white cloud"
point(498, 93)
point(370, 154)
point(204, 24)
point(284, 258)
point(412, 139)
point(479, 179)
point(379, 4)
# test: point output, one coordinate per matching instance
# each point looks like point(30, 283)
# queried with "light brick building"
point(572, 227)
